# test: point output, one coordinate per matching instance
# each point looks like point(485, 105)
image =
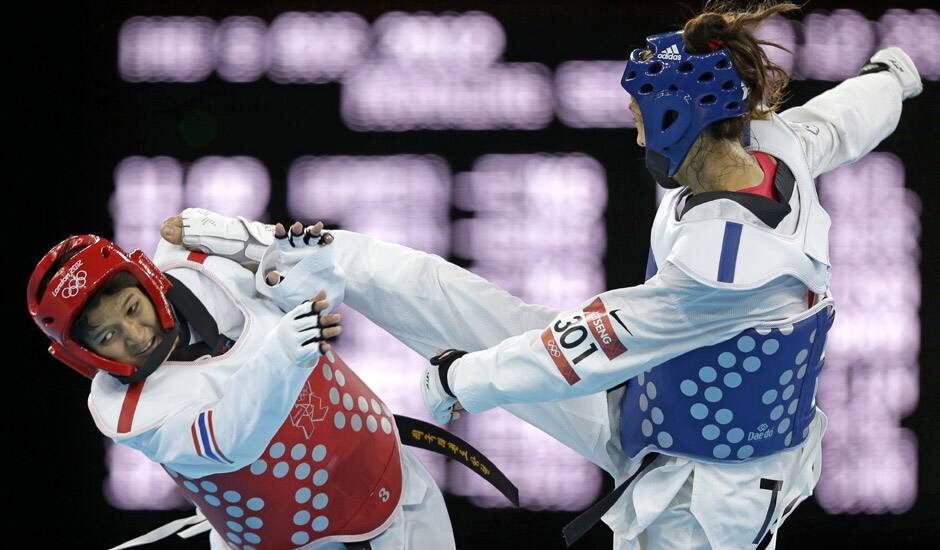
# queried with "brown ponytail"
point(723, 24)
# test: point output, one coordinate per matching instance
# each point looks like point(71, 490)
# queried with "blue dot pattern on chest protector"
point(745, 398)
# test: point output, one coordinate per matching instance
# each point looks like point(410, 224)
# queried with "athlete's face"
point(640, 132)
point(124, 327)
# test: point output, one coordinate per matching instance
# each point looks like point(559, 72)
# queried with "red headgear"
point(75, 282)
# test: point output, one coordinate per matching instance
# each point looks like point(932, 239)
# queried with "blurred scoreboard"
point(405, 72)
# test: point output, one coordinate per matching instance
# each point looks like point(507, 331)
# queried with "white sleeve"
point(226, 434)
point(426, 302)
point(843, 124)
point(615, 336)
point(316, 270)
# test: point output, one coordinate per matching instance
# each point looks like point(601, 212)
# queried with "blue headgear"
point(679, 94)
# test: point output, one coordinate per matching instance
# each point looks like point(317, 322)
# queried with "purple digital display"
point(517, 202)
point(135, 482)
point(871, 378)
point(234, 186)
point(589, 95)
point(410, 71)
point(311, 48)
point(835, 45)
point(149, 190)
point(166, 49)
point(782, 32)
point(917, 33)
point(449, 39)
point(402, 199)
point(440, 72)
point(240, 49)
point(385, 96)
point(146, 192)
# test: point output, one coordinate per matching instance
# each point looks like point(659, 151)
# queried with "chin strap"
point(658, 166)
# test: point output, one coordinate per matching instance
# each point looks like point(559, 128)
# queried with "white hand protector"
point(901, 66)
point(298, 335)
point(305, 266)
point(438, 398)
point(238, 239)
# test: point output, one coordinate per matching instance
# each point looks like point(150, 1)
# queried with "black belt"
point(583, 523)
point(420, 434)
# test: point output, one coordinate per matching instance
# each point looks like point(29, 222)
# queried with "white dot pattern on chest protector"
point(756, 395)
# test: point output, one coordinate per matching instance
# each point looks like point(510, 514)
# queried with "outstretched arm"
point(421, 299)
point(843, 124)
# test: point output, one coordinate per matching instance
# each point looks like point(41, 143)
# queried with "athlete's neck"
point(718, 165)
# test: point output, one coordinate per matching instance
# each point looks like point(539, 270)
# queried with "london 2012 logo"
point(73, 281)
point(307, 411)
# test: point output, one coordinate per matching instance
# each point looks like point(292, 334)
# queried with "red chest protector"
point(333, 470)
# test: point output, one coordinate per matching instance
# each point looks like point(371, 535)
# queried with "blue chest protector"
point(748, 397)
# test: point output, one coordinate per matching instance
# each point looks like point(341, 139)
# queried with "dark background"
point(73, 119)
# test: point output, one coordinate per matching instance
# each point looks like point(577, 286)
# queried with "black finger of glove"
point(322, 238)
point(314, 340)
point(309, 313)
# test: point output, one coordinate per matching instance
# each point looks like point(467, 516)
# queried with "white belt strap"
point(170, 528)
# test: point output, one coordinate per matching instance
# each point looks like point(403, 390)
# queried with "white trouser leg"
point(421, 521)
point(675, 528)
point(216, 542)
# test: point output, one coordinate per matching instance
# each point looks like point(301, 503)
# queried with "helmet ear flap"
point(670, 114)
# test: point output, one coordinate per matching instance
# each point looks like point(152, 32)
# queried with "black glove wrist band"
point(873, 67)
point(444, 361)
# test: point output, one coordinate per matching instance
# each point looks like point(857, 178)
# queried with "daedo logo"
point(761, 434)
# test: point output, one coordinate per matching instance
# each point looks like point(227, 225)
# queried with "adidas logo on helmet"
point(672, 52)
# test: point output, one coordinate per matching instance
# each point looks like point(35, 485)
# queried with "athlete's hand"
point(435, 389)
point(303, 331)
point(898, 63)
point(293, 246)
